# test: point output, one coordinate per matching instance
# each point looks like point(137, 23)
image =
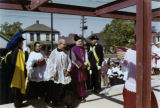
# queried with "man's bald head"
point(62, 44)
point(61, 41)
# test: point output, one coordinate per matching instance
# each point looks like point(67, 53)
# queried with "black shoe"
point(82, 99)
point(18, 105)
point(21, 105)
point(96, 91)
point(89, 88)
point(47, 101)
point(56, 104)
point(68, 106)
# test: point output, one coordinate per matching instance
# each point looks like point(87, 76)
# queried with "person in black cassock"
point(16, 69)
point(36, 66)
point(95, 59)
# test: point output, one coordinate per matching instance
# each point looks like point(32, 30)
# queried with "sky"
point(66, 24)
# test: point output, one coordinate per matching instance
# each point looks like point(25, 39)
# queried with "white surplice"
point(36, 73)
point(129, 65)
point(58, 62)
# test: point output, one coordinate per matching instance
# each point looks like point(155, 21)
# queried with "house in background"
point(41, 33)
point(69, 39)
point(3, 42)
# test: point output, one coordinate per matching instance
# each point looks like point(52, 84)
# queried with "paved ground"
point(109, 97)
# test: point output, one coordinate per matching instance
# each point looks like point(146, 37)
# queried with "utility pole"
point(51, 31)
point(50, 1)
point(83, 26)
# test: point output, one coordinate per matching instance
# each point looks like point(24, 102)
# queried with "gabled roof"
point(39, 28)
point(69, 39)
point(4, 37)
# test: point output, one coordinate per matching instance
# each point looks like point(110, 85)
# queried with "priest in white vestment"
point(36, 66)
point(58, 68)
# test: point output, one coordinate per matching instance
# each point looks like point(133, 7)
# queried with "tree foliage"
point(8, 30)
point(118, 33)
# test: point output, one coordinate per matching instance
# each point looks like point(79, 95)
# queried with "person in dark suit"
point(95, 59)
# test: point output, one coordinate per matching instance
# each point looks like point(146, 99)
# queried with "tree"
point(118, 33)
point(8, 30)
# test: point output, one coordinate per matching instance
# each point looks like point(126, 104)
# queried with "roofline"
point(4, 38)
point(42, 31)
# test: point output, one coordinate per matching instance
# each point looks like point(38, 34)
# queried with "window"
point(47, 37)
point(38, 37)
point(158, 38)
point(31, 37)
point(53, 37)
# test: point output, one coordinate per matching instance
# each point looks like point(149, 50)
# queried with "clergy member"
point(79, 65)
point(36, 66)
point(58, 71)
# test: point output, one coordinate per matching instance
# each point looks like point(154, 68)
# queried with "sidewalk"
point(110, 97)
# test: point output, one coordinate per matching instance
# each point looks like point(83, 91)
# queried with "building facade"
point(41, 33)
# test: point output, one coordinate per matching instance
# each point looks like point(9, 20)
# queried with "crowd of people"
point(57, 77)
point(156, 58)
point(67, 74)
